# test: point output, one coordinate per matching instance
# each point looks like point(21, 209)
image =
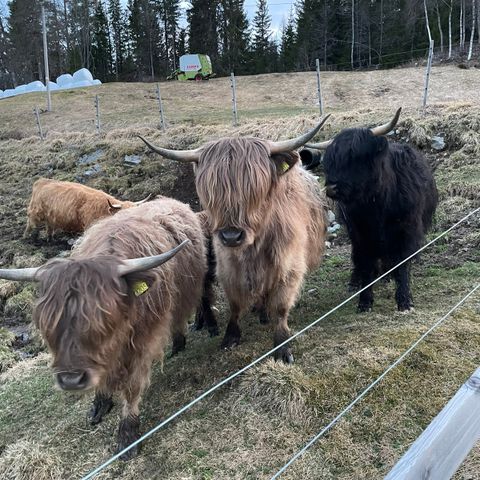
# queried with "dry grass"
point(248, 429)
point(26, 460)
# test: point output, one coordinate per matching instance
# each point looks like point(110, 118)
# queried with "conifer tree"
point(101, 50)
point(262, 48)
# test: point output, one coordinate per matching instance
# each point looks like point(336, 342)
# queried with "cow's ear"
point(382, 144)
point(285, 161)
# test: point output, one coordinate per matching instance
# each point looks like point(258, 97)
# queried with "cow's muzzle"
point(232, 237)
point(77, 380)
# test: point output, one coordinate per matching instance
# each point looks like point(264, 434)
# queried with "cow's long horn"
point(20, 274)
point(294, 143)
point(114, 206)
point(387, 127)
point(144, 200)
point(179, 155)
point(145, 263)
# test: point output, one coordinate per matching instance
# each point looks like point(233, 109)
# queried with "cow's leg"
point(233, 332)
point(205, 315)
point(102, 404)
point(31, 231)
point(263, 315)
point(403, 295)
point(366, 266)
point(129, 427)
point(282, 333)
point(178, 337)
point(50, 232)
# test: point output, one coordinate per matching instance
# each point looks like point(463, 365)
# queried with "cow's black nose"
point(77, 380)
point(331, 190)
point(232, 237)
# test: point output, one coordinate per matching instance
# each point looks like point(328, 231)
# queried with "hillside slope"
point(248, 429)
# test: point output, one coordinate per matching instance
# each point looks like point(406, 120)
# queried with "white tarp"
point(81, 78)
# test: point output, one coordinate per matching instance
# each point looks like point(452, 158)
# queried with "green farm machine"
point(194, 66)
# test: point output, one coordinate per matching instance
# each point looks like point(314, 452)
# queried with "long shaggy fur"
point(67, 206)
point(387, 197)
point(90, 317)
point(282, 211)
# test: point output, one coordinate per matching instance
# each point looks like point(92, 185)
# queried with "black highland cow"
point(387, 196)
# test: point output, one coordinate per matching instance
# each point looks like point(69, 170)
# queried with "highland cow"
point(109, 310)
point(267, 218)
point(68, 207)
point(387, 196)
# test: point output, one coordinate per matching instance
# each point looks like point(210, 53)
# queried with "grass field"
point(250, 428)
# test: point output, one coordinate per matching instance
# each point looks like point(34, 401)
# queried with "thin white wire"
point(265, 355)
point(373, 384)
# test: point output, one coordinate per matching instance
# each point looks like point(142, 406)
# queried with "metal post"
point(39, 125)
point(45, 59)
point(160, 108)
point(234, 99)
point(427, 74)
point(97, 114)
point(319, 87)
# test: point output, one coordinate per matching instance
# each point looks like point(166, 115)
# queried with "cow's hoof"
point(99, 409)
point(364, 308)
point(285, 355)
point(213, 330)
point(230, 342)
point(405, 310)
point(179, 342)
point(128, 432)
point(133, 452)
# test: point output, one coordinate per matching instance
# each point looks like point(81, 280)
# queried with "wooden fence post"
point(319, 87)
point(427, 74)
point(234, 99)
point(97, 114)
point(442, 447)
point(160, 108)
point(39, 125)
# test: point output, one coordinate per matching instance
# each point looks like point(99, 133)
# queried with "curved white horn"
point(387, 127)
point(321, 145)
point(179, 155)
point(20, 274)
point(294, 143)
point(144, 200)
point(145, 263)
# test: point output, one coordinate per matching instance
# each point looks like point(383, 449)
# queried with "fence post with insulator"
point(160, 108)
point(427, 74)
point(319, 87)
point(97, 114)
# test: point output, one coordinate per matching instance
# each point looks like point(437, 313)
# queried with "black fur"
point(387, 196)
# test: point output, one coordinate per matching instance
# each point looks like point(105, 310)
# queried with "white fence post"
point(97, 114)
point(319, 87)
point(442, 447)
point(160, 108)
point(427, 74)
point(234, 99)
point(39, 125)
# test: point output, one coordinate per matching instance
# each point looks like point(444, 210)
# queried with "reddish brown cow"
point(267, 217)
point(105, 318)
point(68, 207)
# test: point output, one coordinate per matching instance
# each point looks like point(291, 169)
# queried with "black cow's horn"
point(179, 155)
point(387, 127)
point(294, 143)
point(377, 131)
point(20, 274)
point(145, 263)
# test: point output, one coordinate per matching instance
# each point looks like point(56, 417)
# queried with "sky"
point(279, 11)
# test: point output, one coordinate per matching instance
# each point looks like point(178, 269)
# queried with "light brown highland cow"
point(267, 218)
point(68, 207)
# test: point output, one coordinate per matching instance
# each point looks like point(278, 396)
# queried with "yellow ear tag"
point(139, 288)
point(284, 167)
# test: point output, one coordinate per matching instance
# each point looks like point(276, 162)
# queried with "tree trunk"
point(462, 26)
point(440, 29)
point(353, 33)
point(381, 33)
point(325, 23)
point(450, 30)
point(472, 33)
